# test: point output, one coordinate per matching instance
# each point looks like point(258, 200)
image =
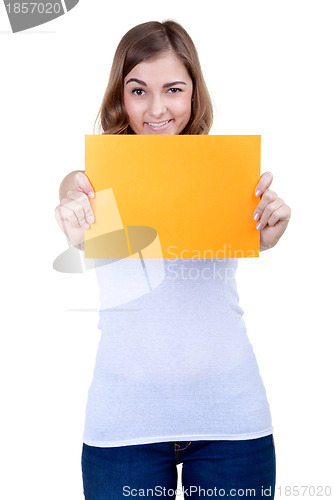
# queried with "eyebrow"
point(164, 86)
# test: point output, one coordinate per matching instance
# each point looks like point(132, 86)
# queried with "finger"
point(73, 213)
point(281, 214)
point(265, 181)
point(60, 218)
point(84, 185)
point(83, 200)
point(267, 213)
point(65, 216)
point(268, 197)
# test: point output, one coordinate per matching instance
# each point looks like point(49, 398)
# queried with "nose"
point(158, 107)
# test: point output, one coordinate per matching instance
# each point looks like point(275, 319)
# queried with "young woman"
point(176, 379)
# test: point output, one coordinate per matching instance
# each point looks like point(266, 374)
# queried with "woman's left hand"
point(272, 214)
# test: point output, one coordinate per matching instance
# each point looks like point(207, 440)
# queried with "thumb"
point(84, 184)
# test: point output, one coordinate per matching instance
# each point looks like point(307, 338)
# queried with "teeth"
point(157, 124)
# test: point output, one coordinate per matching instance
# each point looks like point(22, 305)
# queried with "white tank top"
point(174, 362)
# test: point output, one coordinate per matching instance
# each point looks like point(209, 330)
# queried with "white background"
point(268, 68)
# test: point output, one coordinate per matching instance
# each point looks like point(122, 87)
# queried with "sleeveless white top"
point(174, 363)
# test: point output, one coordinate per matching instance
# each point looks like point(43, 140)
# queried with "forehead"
point(161, 67)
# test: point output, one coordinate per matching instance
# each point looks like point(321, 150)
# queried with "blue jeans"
point(217, 469)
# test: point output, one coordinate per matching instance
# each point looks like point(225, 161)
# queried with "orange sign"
point(187, 196)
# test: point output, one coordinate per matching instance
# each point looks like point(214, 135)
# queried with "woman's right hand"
point(74, 213)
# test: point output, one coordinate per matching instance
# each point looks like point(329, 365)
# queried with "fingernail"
point(91, 194)
point(259, 225)
point(256, 216)
point(90, 219)
point(85, 225)
point(258, 192)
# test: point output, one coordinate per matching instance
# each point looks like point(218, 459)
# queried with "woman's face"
point(158, 95)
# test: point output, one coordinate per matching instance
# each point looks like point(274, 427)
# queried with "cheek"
point(130, 108)
point(185, 109)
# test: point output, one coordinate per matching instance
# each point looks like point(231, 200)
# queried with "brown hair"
point(144, 41)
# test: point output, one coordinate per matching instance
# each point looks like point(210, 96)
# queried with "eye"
point(134, 91)
point(176, 90)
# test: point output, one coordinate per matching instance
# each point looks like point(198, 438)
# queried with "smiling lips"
point(157, 125)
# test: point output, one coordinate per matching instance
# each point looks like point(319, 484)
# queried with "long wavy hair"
point(138, 44)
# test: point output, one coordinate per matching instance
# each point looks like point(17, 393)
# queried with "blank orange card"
point(195, 193)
